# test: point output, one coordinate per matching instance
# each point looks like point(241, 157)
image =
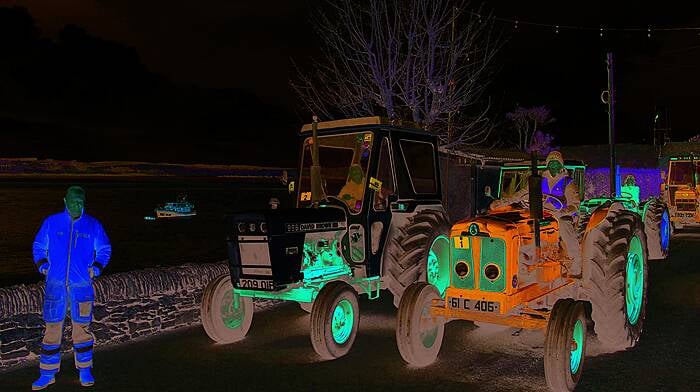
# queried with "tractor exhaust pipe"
point(317, 193)
point(535, 199)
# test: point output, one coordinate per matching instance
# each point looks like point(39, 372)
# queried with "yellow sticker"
point(462, 242)
point(291, 187)
point(368, 137)
point(375, 184)
point(305, 196)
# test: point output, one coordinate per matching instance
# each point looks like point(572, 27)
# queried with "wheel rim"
point(428, 330)
point(576, 347)
point(232, 310)
point(439, 263)
point(665, 231)
point(634, 285)
point(343, 321)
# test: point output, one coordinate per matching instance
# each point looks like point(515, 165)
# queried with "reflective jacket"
point(71, 247)
point(558, 190)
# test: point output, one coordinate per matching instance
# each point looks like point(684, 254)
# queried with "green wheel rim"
point(428, 329)
point(343, 321)
point(576, 347)
point(634, 281)
point(439, 263)
point(232, 310)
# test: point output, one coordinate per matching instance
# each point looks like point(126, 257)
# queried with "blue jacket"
point(71, 247)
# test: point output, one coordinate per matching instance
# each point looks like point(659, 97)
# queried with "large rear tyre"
point(226, 316)
point(657, 227)
point(418, 334)
point(617, 275)
point(419, 252)
point(565, 345)
point(334, 319)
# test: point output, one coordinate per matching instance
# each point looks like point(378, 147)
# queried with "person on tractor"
point(353, 190)
point(561, 199)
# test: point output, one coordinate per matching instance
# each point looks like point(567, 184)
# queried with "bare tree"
point(424, 60)
point(527, 122)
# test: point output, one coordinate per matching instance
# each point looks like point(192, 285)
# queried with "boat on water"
point(181, 208)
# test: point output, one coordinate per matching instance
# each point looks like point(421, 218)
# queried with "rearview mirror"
point(487, 191)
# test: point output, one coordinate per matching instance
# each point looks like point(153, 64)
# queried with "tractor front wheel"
point(334, 318)
point(418, 334)
point(657, 227)
point(226, 316)
point(565, 345)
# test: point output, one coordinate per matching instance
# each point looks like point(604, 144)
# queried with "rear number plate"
point(262, 284)
point(478, 305)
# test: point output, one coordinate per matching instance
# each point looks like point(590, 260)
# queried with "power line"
point(649, 29)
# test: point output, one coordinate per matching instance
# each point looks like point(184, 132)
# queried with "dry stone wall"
point(127, 306)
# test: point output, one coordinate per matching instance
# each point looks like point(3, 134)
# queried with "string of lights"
point(602, 29)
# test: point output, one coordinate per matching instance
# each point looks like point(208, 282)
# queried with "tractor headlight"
point(263, 227)
point(492, 272)
point(462, 269)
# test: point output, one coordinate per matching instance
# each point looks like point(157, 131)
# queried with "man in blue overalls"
point(70, 249)
point(561, 199)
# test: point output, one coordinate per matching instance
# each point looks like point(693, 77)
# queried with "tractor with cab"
point(368, 216)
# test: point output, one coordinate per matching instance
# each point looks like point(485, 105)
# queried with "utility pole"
point(611, 124)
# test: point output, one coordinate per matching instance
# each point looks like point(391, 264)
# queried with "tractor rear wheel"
point(657, 227)
point(418, 334)
point(419, 252)
point(565, 345)
point(334, 318)
point(226, 316)
point(616, 252)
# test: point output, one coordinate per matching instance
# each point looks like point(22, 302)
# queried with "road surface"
point(277, 354)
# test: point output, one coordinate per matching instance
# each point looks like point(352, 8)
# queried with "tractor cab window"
point(385, 175)
point(681, 173)
point(512, 181)
point(420, 161)
point(344, 160)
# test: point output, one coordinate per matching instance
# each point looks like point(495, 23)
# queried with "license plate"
point(262, 284)
point(474, 305)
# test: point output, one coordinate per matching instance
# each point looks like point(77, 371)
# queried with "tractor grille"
point(685, 206)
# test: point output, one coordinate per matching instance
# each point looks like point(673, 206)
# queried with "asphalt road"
point(277, 354)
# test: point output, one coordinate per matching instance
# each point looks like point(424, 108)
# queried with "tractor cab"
point(514, 176)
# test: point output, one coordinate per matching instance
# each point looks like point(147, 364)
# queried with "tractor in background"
point(681, 191)
point(508, 267)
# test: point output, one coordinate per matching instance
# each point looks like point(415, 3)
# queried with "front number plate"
point(474, 305)
point(261, 284)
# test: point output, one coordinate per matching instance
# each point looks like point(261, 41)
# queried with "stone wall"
point(127, 306)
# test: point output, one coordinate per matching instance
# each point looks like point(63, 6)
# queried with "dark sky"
point(249, 44)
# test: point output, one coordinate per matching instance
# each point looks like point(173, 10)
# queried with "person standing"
point(70, 249)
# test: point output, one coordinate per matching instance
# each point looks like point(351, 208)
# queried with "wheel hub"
point(634, 281)
point(343, 321)
point(232, 313)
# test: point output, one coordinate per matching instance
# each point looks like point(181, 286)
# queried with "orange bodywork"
point(543, 265)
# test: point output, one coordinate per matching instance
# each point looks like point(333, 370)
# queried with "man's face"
point(75, 202)
point(554, 167)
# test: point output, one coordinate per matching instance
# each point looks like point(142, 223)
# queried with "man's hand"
point(44, 269)
point(95, 271)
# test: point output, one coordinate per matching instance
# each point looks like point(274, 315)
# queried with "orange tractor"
point(509, 267)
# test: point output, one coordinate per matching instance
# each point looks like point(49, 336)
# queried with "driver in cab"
point(353, 190)
point(561, 199)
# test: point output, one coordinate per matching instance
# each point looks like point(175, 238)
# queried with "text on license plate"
point(263, 284)
point(469, 304)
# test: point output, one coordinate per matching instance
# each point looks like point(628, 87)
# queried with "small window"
point(385, 174)
point(420, 161)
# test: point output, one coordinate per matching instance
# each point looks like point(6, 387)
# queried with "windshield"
point(681, 173)
point(516, 178)
point(344, 160)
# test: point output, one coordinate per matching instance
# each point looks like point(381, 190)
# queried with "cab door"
point(382, 191)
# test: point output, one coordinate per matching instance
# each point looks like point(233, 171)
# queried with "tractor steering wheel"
point(546, 197)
